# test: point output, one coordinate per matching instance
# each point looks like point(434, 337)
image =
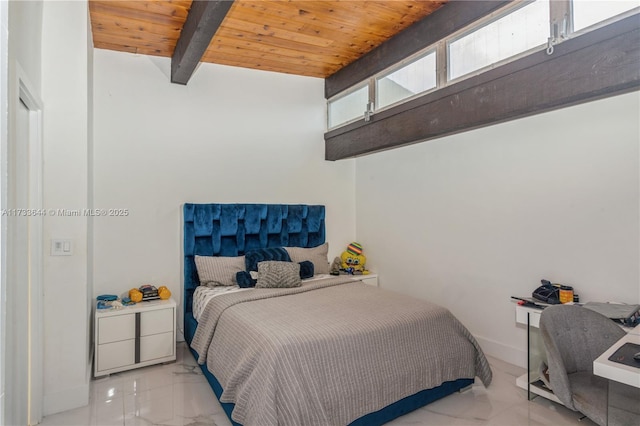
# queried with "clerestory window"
point(508, 34)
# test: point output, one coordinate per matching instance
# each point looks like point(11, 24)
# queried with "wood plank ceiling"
point(303, 37)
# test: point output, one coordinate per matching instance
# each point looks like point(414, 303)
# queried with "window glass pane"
point(589, 12)
point(416, 77)
point(348, 107)
point(517, 32)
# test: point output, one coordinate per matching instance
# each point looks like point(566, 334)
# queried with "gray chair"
point(574, 337)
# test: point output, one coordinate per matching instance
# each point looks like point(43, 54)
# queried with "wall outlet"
point(61, 247)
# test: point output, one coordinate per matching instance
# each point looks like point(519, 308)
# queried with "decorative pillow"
point(306, 269)
point(253, 257)
point(245, 280)
point(317, 255)
point(273, 274)
point(218, 270)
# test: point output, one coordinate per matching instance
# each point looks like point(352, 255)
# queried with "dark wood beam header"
point(205, 16)
point(595, 65)
point(451, 17)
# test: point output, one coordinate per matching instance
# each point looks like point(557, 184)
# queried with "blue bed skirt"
point(388, 413)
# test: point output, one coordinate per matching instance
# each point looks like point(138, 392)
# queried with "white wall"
point(25, 39)
point(469, 220)
point(231, 135)
point(4, 135)
point(65, 95)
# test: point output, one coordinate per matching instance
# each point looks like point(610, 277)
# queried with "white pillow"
point(317, 255)
point(218, 270)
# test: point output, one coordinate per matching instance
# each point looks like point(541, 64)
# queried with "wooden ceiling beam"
point(205, 16)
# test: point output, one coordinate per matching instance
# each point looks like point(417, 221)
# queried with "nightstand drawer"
point(156, 346)
point(116, 354)
point(116, 328)
point(156, 322)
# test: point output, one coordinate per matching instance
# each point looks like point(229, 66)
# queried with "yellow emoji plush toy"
point(353, 260)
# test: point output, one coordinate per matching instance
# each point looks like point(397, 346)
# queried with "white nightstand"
point(370, 279)
point(134, 336)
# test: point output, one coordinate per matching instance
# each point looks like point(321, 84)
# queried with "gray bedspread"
point(330, 351)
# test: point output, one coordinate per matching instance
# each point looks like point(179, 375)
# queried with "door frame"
point(27, 95)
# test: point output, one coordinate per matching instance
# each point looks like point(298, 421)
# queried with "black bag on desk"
point(547, 293)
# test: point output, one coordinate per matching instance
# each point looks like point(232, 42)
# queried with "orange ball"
point(164, 293)
point(135, 295)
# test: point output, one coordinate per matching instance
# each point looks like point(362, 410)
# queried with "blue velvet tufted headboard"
point(234, 229)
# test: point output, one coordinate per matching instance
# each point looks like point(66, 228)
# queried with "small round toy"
point(164, 293)
point(135, 295)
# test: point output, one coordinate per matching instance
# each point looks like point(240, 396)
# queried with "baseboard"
point(506, 353)
point(67, 399)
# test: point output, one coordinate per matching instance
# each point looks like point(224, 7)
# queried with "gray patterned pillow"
point(274, 274)
point(218, 270)
point(317, 255)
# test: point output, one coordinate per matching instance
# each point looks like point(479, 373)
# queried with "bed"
point(327, 351)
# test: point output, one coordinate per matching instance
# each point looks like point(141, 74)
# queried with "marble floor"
point(177, 394)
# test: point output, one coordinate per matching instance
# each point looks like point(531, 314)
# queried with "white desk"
point(530, 381)
point(623, 390)
point(614, 370)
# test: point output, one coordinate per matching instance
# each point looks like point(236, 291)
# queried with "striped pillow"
point(218, 270)
point(273, 274)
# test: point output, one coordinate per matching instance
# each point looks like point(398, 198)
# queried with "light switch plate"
point(61, 247)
